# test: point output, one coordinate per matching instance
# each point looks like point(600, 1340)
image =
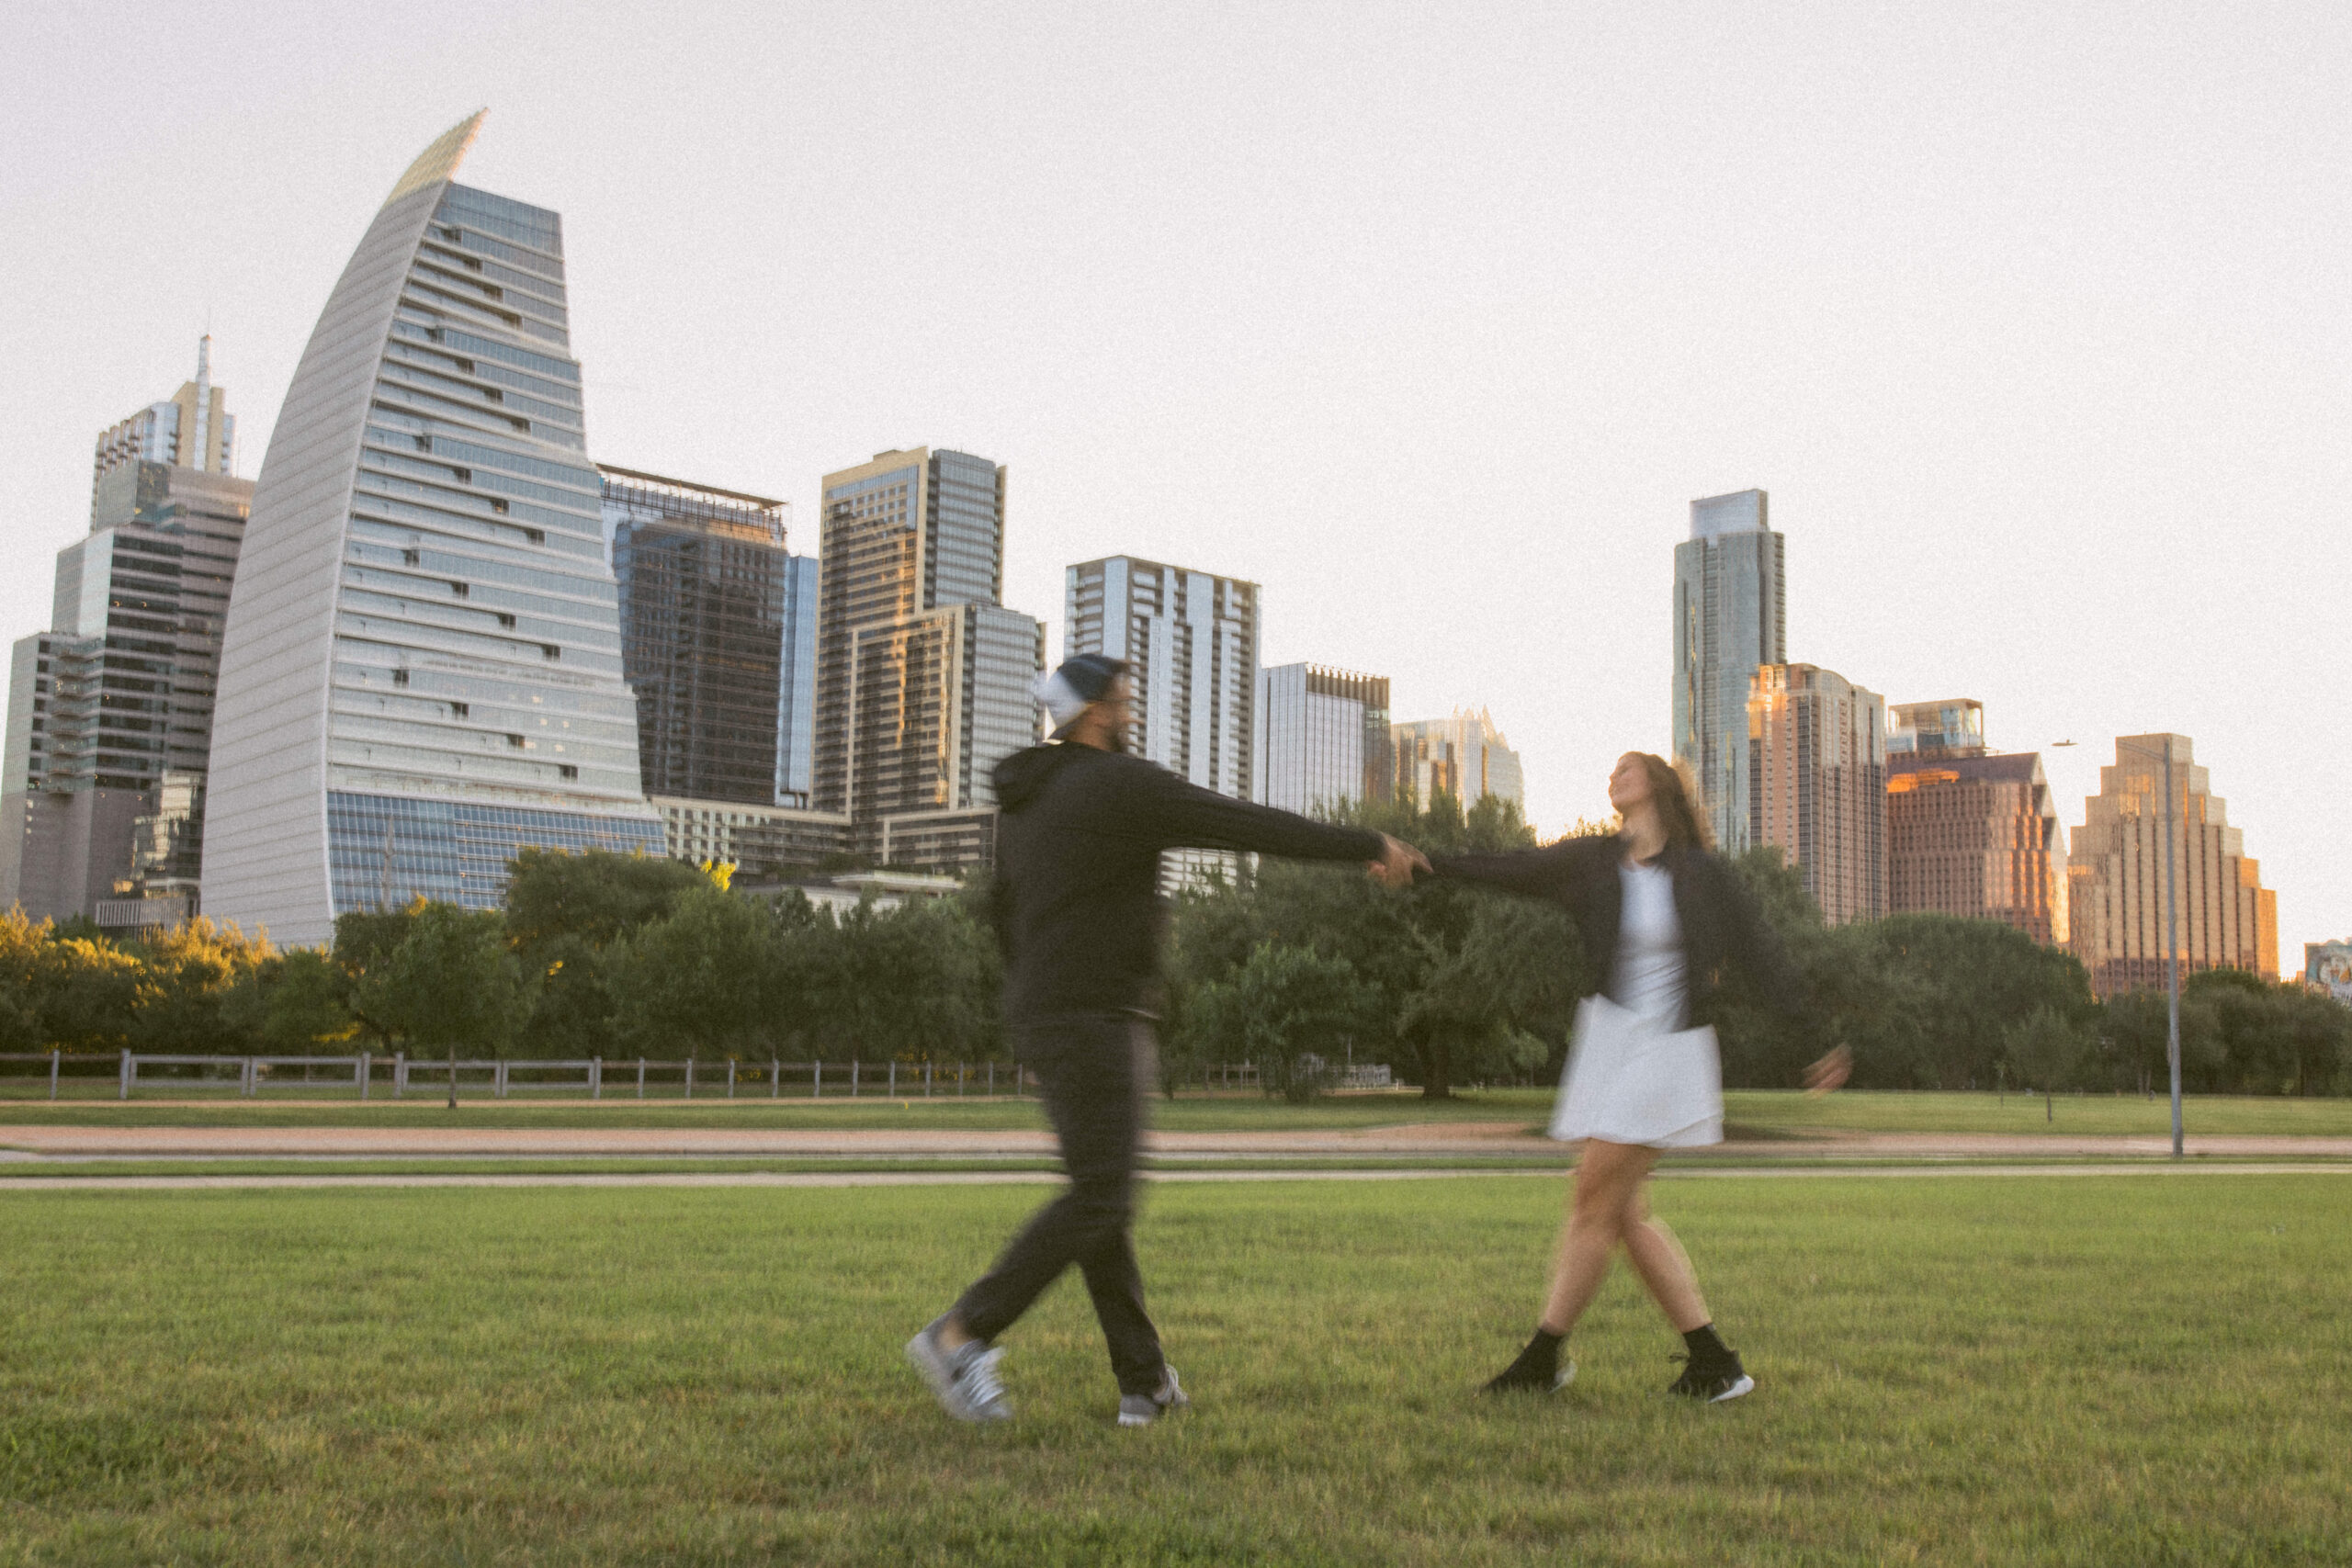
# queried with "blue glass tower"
point(422, 668)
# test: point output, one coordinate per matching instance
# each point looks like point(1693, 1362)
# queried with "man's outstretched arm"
point(1178, 815)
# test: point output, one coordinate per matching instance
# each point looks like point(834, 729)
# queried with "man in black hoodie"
point(1080, 917)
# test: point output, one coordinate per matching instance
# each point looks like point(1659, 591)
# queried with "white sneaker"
point(963, 1377)
point(1143, 1409)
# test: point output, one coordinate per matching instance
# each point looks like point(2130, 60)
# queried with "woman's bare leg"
point(1665, 1267)
point(1608, 1189)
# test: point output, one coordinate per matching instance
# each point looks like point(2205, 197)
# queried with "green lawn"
point(2133, 1369)
point(1768, 1113)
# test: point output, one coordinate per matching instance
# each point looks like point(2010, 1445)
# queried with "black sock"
point(1706, 1347)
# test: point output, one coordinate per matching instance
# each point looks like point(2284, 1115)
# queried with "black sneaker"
point(1534, 1372)
point(1712, 1380)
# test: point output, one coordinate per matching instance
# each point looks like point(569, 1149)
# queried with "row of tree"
point(1296, 965)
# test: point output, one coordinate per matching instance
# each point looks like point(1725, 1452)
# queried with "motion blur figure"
point(1078, 912)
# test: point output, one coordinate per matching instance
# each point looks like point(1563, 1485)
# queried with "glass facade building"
point(1816, 784)
point(422, 672)
point(1323, 736)
point(110, 726)
point(1464, 755)
point(1730, 616)
point(2114, 874)
point(707, 635)
point(1954, 727)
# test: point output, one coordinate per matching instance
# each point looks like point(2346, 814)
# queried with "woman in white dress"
point(1665, 913)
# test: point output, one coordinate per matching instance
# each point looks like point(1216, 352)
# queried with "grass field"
point(2033, 1369)
point(1750, 1112)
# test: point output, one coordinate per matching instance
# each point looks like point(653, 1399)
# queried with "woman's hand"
point(1829, 1072)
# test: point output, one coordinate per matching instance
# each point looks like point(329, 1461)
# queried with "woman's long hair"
point(1670, 793)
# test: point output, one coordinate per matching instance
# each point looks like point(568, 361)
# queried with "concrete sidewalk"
point(1452, 1139)
point(31, 1184)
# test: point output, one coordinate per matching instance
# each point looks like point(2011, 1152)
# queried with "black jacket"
point(1721, 922)
point(1076, 897)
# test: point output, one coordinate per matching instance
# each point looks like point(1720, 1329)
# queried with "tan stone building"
point(2115, 873)
point(1817, 783)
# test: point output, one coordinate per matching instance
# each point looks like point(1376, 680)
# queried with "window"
point(459, 710)
point(461, 589)
point(465, 476)
point(400, 677)
point(500, 507)
point(549, 650)
point(514, 742)
point(566, 771)
point(408, 558)
point(506, 620)
point(535, 536)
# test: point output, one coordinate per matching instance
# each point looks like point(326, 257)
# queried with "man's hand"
point(1396, 863)
point(1829, 1072)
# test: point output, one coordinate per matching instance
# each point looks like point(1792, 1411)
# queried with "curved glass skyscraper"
point(421, 672)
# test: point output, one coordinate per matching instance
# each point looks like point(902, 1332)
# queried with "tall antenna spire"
point(203, 449)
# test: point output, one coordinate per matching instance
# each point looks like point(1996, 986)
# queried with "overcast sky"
point(1431, 320)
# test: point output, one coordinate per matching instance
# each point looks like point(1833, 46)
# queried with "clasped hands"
point(1397, 861)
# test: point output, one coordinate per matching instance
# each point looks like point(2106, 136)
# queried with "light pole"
point(2172, 934)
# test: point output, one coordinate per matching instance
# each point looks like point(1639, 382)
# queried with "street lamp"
point(2172, 932)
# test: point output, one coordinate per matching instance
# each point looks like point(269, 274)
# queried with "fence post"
point(926, 1080)
point(690, 1077)
point(640, 1078)
point(894, 1077)
point(501, 1070)
point(595, 1077)
point(816, 1080)
point(959, 1080)
point(366, 1070)
point(992, 1079)
point(126, 1070)
point(775, 1077)
point(54, 1055)
point(400, 1074)
point(730, 1077)
point(852, 1078)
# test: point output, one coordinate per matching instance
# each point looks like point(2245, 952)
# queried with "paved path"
point(1034, 1178)
point(1431, 1138)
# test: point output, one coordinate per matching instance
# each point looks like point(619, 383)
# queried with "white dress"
point(1634, 1074)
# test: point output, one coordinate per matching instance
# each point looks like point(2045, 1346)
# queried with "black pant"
point(1096, 1068)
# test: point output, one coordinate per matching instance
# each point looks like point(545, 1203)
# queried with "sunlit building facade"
point(1976, 835)
point(1462, 755)
point(1730, 616)
point(1817, 787)
point(2115, 868)
point(922, 675)
point(1322, 738)
point(421, 674)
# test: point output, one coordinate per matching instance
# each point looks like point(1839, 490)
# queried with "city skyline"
point(1945, 388)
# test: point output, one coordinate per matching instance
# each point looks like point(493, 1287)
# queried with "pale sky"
point(1431, 320)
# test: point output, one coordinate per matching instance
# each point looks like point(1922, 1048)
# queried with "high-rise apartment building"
point(191, 429)
point(1730, 616)
point(2115, 871)
point(1816, 784)
point(421, 674)
point(1322, 738)
point(111, 711)
point(1191, 642)
point(1464, 755)
point(923, 676)
point(714, 640)
point(1969, 833)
